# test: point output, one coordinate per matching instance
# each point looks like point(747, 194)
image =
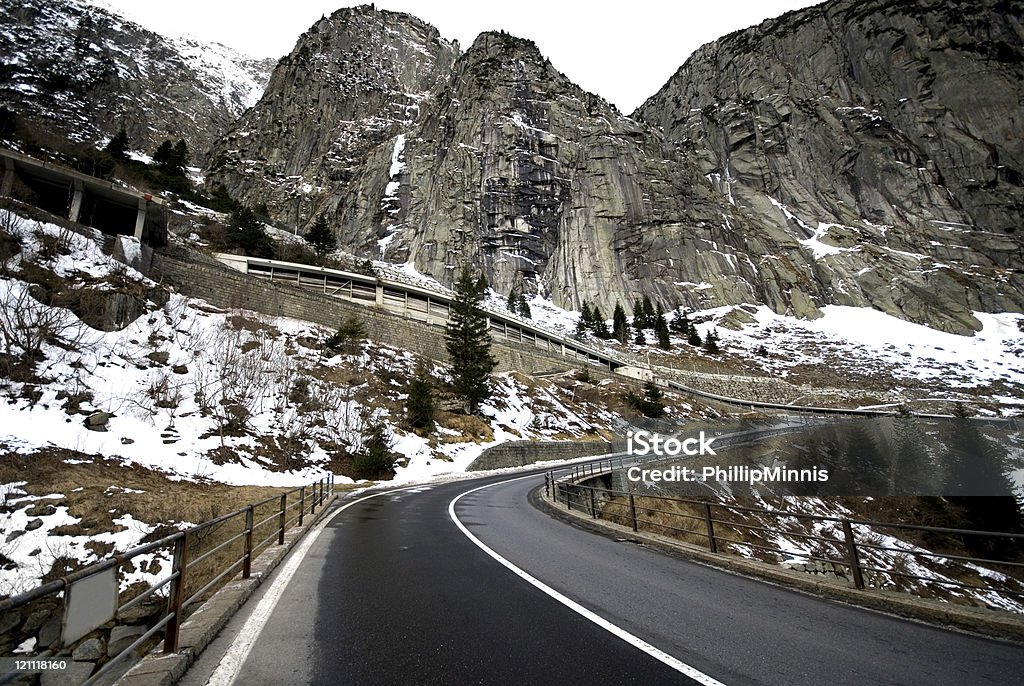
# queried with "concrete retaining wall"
point(521, 453)
point(223, 287)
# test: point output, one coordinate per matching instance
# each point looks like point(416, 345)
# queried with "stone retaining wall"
point(522, 453)
point(224, 287)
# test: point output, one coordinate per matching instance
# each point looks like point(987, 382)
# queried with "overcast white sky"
point(624, 51)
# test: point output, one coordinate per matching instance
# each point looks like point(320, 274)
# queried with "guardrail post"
point(547, 486)
point(568, 498)
point(247, 552)
point(177, 595)
point(302, 503)
point(593, 507)
point(281, 519)
point(632, 512)
point(851, 552)
point(712, 544)
point(322, 484)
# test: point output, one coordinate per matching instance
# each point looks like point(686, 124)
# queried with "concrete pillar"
point(140, 219)
point(8, 183)
point(378, 296)
point(76, 202)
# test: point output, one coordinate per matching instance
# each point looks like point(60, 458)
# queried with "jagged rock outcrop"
point(826, 157)
point(84, 72)
point(353, 80)
point(886, 137)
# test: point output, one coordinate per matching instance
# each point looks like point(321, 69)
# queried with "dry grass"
point(94, 490)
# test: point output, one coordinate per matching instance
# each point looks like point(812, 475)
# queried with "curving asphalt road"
point(394, 592)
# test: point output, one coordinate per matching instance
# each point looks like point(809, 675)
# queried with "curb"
point(203, 625)
point(990, 623)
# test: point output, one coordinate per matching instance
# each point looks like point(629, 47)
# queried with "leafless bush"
point(26, 325)
point(245, 369)
point(53, 245)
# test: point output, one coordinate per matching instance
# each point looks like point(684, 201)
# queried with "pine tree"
point(598, 324)
point(118, 145)
point(524, 307)
point(512, 304)
point(661, 330)
point(620, 326)
point(375, 459)
point(172, 158)
point(469, 342)
point(650, 404)
point(711, 342)
point(648, 310)
point(321, 238)
point(640, 339)
point(245, 232)
point(163, 154)
point(585, 320)
point(419, 406)
point(693, 337)
point(179, 158)
point(638, 314)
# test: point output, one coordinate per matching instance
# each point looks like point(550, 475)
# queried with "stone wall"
point(203, 277)
point(521, 453)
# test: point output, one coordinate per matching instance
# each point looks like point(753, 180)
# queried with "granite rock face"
point(854, 153)
point(886, 137)
point(353, 81)
point(85, 72)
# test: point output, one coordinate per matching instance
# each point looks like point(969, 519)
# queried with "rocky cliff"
point(354, 80)
point(83, 72)
point(887, 137)
point(854, 153)
point(832, 156)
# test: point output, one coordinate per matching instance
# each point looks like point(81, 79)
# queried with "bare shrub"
point(26, 325)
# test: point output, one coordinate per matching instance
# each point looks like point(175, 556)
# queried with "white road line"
point(231, 664)
point(613, 629)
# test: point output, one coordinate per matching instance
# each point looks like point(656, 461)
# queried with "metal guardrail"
point(202, 561)
point(711, 521)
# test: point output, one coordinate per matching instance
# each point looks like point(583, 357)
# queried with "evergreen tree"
point(693, 336)
point(648, 311)
point(469, 342)
point(118, 145)
point(661, 330)
point(585, 320)
point(172, 158)
point(524, 307)
point(711, 342)
point(375, 459)
point(640, 339)
point(650, 404)
point(245, 232)
point(321, 238)
point(598, 324)
point(180, 157)
point(620, 326)
point(419, 406)
point(638, 313)
point(512, 304)
point(163, 154)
